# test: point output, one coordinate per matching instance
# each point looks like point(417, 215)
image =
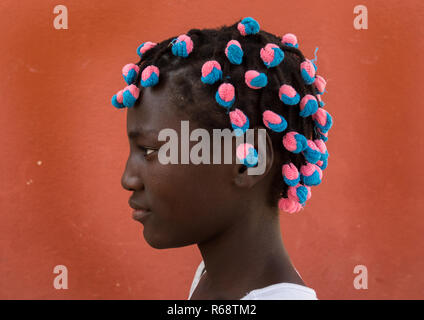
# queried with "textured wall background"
point(64, 148)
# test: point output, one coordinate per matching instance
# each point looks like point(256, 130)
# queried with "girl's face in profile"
point(189, 203)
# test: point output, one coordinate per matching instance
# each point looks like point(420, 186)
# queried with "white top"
point(278, 291)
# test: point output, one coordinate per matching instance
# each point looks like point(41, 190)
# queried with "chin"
point(158, 242)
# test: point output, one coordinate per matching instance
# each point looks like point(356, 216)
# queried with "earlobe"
point(239, 179)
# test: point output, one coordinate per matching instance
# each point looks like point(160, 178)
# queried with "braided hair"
point(263, 79)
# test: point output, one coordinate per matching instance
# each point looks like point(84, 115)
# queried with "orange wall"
point(72, 210)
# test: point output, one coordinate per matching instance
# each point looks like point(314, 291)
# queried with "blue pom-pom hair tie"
point(310, 174)
point(307, 70)
point(271, 55)
point(289, 39)
point(126, 97)
point(308, 105)
point(118, 99)
point(130, 95)
point(288, 95)
point(130, 72)
point(247, 154)
point(323, 162)
point(225, 95)
point(323, 120)
point(182, 46)
point(248, 26)
point(211, 72)
point(291, 174)
point(322, 135)
point(234, 52)
point(274, 121)
point(299, 193)
point(320, 84)
point(239, 122)
point(311, 152)
point(144, 47)
point(295, 142)
point(255, 79)
point(149, 76)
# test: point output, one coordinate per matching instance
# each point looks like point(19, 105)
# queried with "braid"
point(281, 95)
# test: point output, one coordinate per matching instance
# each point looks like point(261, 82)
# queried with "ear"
point(241, 178)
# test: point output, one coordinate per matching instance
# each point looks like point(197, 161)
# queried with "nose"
point(131, 179)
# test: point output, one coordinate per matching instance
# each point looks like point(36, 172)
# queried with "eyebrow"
point(132, 134)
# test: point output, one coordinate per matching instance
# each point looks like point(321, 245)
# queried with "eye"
point(145, 150)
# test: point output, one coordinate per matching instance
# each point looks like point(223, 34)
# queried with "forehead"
point(177, 96)
point(155, 110)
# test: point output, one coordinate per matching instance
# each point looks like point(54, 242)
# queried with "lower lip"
point(141, 215)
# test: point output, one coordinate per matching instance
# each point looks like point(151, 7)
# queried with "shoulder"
point(282, 291)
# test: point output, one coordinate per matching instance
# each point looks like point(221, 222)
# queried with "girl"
point(236, 77)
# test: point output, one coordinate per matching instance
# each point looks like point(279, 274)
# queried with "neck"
point(248, 255)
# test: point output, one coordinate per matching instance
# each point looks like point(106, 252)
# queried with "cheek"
point(189, 202)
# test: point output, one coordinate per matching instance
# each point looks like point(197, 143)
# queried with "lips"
point(140, 213)
point(136, 206)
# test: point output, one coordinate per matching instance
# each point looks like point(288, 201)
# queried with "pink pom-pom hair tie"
point(300, 193)
point(294, 142)
point(225, 95)
point(308, 105)
point(310, 174)
point(312, 153)
point(118, 99)
point(130, 95)
point(130, 72)
point(234, 52)
point(322, 148)
point(323, 162)
point(255, 79)
point(307, 70)
point(182, 46)
point(320, 84)
point(271, 55)
point(291, 175)
point(289, 39)
point(323, 135)
point(211, 72)
point(288, 95)
point(289, 205)
point(323, 120)
point(144, 47)
point(149, 76)
point(274, 121)
point(239, 122)
point(248, 26)
point(247, 154)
